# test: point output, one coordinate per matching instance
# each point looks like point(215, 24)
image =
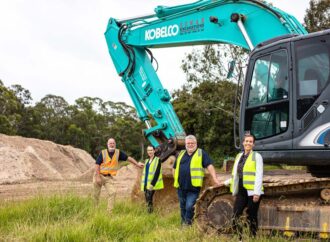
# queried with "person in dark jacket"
point(188, 173)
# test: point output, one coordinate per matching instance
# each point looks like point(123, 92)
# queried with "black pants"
point(243, 200)
point(149, 196)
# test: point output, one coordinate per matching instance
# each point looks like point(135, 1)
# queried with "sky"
point(58, 47)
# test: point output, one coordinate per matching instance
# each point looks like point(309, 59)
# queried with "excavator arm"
point(244, 23)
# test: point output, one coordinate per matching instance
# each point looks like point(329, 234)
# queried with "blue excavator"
point(285, 100)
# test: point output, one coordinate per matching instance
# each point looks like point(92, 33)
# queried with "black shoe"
point(150, 209)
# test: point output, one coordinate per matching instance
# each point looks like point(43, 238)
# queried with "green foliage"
point(75, 219)
point(206, 104)
point(212, 63)
point(317, 15)
point(206, 113)
point(41, 210)
point(87, 124)
point(10, 111)
point(72, 218)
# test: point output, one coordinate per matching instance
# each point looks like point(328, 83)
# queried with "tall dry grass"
point(73, 218)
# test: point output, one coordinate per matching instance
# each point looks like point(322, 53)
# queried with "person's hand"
point(98, 179)
point(256, 198)
point(227, 182)
point(140, 165)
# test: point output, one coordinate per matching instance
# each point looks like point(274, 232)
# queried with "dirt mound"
point(30, 166)
point(23, 159)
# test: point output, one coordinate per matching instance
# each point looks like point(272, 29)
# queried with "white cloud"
point(58, 47)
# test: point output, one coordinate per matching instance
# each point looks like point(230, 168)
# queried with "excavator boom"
point(243, 23)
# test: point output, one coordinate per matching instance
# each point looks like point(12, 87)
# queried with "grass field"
point(73, 218)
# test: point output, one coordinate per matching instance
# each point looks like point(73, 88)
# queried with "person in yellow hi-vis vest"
point(106, 167)
point(152, 178)
point(188, 173)
point(246, 185)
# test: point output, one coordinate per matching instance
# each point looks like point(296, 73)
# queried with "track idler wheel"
point(214, 210)
point(220, 213)
point(325, 194)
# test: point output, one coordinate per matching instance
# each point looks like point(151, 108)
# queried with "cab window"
point(267, 111)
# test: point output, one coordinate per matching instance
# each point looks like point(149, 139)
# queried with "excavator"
point(285, 101)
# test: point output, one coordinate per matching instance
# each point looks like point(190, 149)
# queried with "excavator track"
point(291, 203)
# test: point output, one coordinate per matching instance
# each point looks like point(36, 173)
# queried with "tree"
point(22, 94)
point(51, 114)
point(95, 121)
point(10, 111)
point(317, 15)
point(87, 124)
point(206, 112)
point(205, 103)
point(212, 63)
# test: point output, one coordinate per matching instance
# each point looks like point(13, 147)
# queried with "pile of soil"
point(23, 159)
point(29, 167)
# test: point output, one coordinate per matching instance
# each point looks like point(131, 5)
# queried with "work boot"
point(150, 209)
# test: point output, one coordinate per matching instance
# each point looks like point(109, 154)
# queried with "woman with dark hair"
point(152, 178)
point(246, 185)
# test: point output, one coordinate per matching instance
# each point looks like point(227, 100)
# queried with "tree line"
point(89, 122)
point(86, 124)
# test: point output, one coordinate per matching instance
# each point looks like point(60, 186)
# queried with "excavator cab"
point(285, 100)
point(285, 105)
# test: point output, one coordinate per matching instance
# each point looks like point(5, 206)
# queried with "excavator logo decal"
point(163, 32)
point(192, 26)
point(319, 136)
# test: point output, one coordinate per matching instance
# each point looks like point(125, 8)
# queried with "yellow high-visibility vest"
point(109, 165)
point(249, 172)
point(151, 173)
point(196, 169)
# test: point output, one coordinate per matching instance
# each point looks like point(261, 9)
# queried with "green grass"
point(72, 218)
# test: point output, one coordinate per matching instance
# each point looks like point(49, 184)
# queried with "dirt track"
point(124, 183)
point(32, 189)
point(83, 187)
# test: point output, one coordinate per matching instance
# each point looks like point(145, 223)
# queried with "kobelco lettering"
point(163, 32)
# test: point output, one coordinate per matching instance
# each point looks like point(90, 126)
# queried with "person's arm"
point(97, 169)
point(156, 176)
point(213, 174)
point(173, 167)
point(208, 164)
point(258, 179)
point(97, 175)
point(134, 162)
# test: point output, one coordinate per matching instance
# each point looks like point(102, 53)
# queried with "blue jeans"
point(187, 201)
